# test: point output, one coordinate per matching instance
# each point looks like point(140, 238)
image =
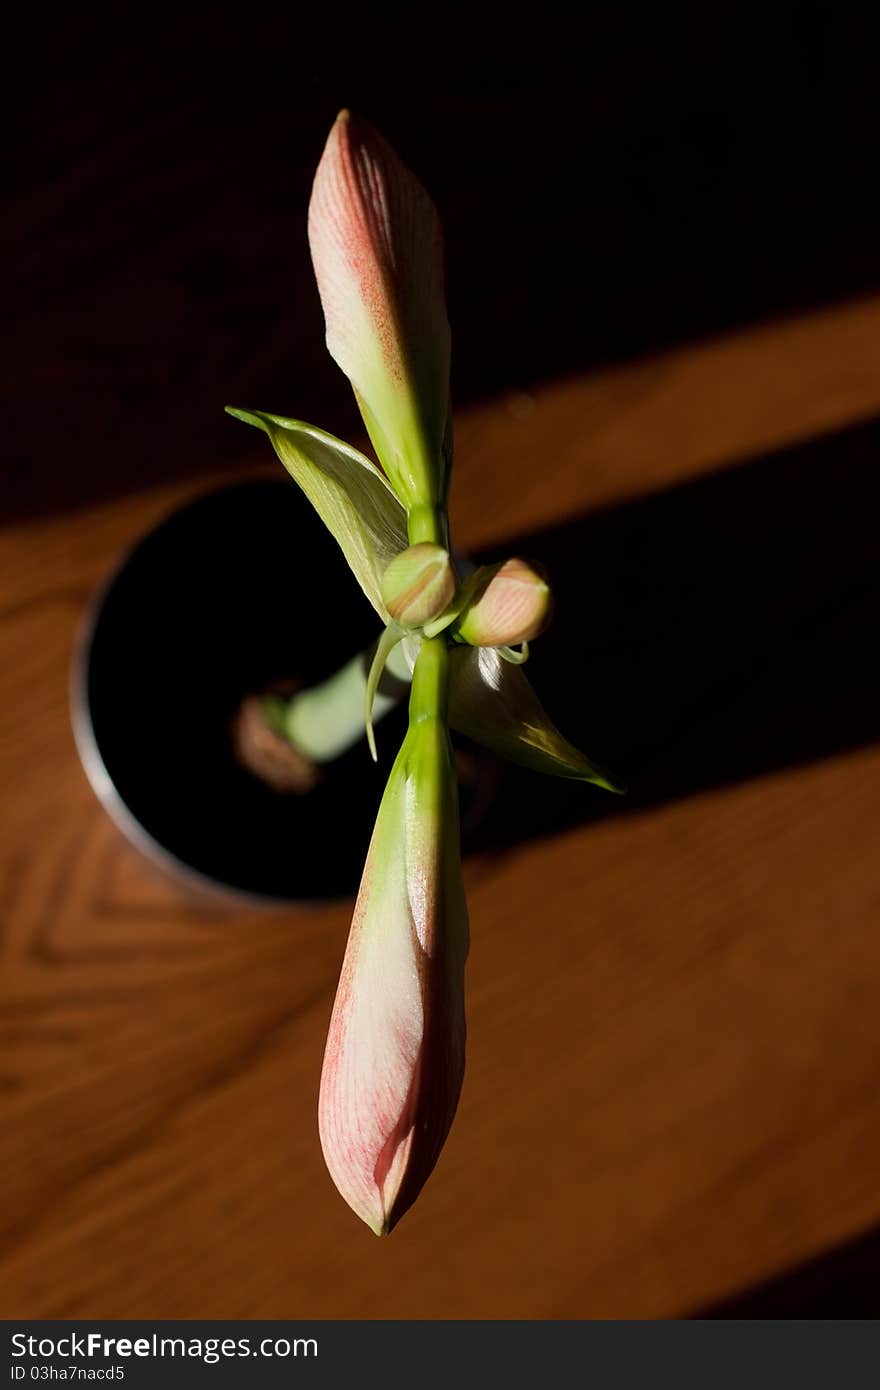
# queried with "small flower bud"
point(511, 605)
point(418, 584)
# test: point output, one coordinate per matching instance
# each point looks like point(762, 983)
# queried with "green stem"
point(430, 682)
point(326, 720)
point(427, 523)
point(430, 762)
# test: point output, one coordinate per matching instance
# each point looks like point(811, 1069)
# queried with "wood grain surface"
point(674, 1010)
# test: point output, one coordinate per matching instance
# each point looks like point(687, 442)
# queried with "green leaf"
point(350, 495)
point(492, 702)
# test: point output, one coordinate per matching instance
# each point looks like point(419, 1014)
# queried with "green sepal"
point(514, 657)
point(392, 634)
point(349, 493)
point(492, 702)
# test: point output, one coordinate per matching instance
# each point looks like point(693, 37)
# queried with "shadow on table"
point(844, 1283)
point(709, 633)
point(704, 635)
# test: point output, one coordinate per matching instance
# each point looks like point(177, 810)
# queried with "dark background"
point(609, 181)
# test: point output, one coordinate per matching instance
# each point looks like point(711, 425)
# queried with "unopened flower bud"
point(378, 257)
point(511, 605)
point(394, 1059)
point(418, 584)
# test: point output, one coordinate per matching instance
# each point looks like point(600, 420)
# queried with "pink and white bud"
point(511, 605)
point(394, 1059)
point(418, 584)
point(377, 252)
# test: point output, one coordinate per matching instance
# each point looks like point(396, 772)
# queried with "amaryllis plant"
point(394, 1059)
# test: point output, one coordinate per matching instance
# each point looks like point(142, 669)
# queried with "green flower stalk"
point(394, 1060)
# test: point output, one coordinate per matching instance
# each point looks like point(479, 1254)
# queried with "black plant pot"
point(231, 593)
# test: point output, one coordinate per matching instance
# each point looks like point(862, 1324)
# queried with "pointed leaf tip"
point(249, 417)
point(348, 492)
point(491, 701)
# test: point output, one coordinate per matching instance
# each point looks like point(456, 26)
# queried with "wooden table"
point(674, 1009)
